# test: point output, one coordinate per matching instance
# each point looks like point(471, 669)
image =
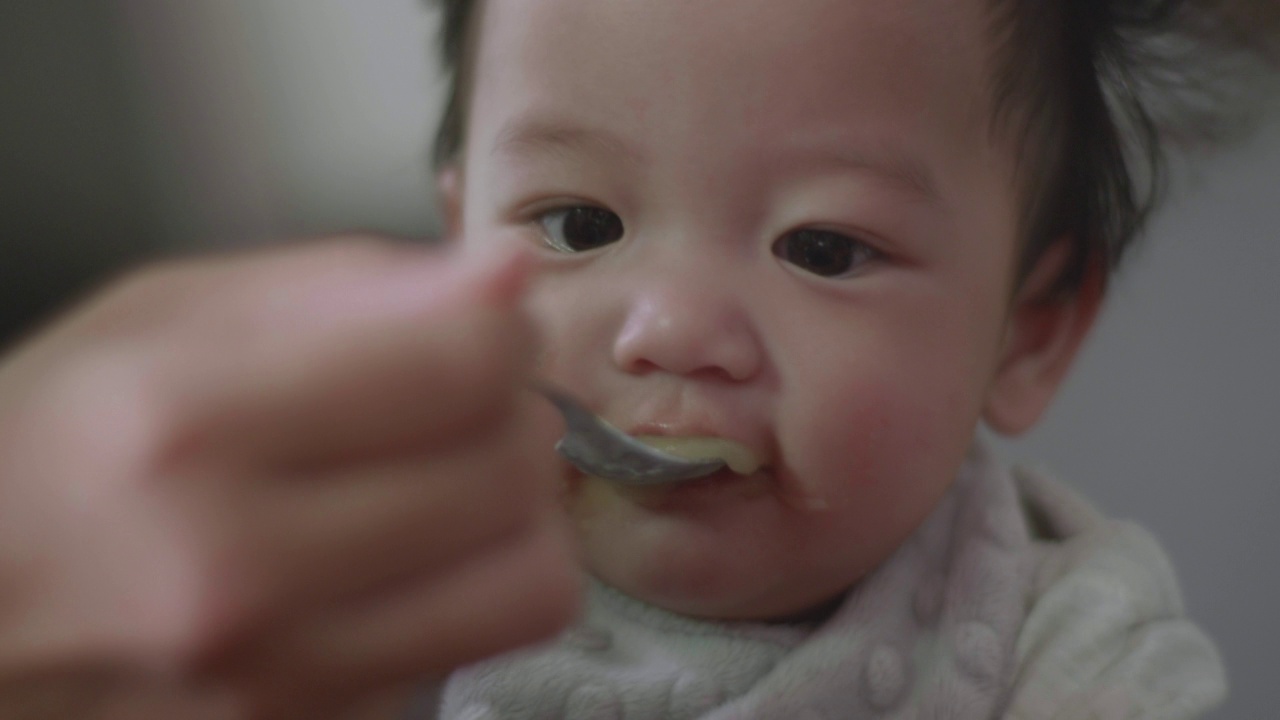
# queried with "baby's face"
point(780, 223)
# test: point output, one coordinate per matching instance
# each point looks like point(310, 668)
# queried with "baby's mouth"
point(740, 459)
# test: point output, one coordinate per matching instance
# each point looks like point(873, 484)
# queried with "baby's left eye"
point(581, 228)
point(823, 252)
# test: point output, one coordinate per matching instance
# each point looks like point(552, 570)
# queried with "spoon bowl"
point(597, 448)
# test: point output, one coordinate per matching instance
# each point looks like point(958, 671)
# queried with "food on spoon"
point(738, 457)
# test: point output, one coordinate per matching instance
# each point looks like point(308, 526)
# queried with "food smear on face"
point(807, 496)
point(738, 457)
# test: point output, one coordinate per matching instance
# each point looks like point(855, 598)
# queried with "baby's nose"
point(688, 328)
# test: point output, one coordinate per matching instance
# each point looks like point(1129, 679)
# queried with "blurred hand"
point(288, 480)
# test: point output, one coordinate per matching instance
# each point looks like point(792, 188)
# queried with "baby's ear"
point(449, 194)
point(1044, 333)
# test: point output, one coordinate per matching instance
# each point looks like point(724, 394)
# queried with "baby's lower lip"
point(709, 488)
point(737, 456)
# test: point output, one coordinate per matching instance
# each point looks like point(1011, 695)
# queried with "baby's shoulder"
point(1106, 635)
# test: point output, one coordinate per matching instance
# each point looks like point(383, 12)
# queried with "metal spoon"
point(597, 448)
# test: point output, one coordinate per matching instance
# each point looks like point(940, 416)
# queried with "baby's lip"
point(755, 445)
point(790, 487)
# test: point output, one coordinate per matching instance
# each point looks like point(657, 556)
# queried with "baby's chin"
point(742, 561)
point(721, 597)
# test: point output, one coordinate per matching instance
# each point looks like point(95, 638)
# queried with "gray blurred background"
point(137, 128)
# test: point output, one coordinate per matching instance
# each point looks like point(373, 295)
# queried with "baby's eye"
point(822, 252)
point(580, 228)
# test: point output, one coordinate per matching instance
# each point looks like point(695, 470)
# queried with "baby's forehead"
point(923, 30)
point(905, 82)
point(809, 54)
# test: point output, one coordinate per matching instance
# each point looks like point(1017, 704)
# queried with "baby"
point(836, 237)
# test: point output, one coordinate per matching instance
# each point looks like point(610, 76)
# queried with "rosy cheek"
point(870, 437)
point(839, 434)
point(554, 330)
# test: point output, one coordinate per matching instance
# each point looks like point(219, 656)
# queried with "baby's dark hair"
point(1092, 92)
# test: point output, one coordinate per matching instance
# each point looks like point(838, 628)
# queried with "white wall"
point(284, 116)
point(1172, 418)
point(351, 98)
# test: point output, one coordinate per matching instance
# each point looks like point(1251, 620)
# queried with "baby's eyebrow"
point(524, 136)
point(899, 169)
point(521, 137)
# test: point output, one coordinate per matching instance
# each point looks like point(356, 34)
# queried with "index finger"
point(399, 376)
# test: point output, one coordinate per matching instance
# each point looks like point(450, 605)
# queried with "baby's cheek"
point(834, 435)
point(869, 442)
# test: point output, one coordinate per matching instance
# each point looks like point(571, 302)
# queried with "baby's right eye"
point(580, 228)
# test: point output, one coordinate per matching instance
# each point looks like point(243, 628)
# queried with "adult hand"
point(288, 479)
